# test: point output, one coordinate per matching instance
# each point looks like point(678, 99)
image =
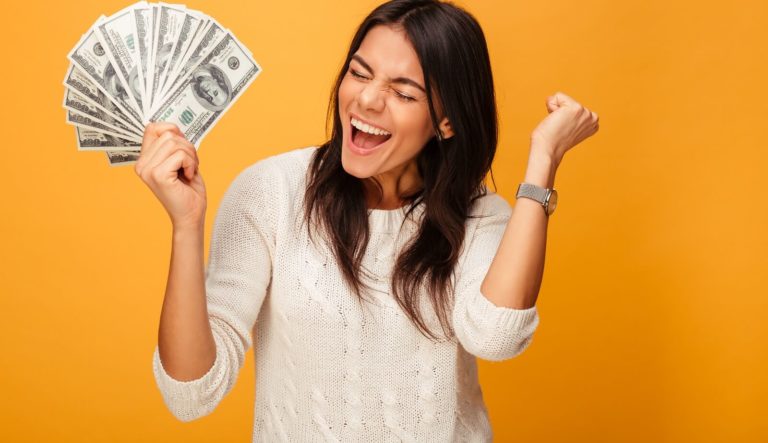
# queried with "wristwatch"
point(547, 197)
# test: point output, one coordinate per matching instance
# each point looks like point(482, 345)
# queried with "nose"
point(371, 97)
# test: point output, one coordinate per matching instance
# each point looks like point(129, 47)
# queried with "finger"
point(167, 148)
point(563, 99)
point(187, 146)
point(157, 128)
point(169, 167)
point(551, 104)
point(153, 130)
point(555, 101)
point(172, 137)
point(166, 140)
point(149, 149)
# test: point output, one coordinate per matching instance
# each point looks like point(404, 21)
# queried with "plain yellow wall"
point(653, 305)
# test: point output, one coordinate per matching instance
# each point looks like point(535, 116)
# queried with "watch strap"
point(533, 192)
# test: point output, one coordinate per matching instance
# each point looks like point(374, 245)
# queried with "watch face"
point(552, 202)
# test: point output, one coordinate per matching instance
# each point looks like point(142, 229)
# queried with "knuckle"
point(176, 142)
point(187, 147)
point(155, 174)
point(162, 141)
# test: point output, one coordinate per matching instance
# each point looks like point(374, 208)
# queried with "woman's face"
point(383, 108)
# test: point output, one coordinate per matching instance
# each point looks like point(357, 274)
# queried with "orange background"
point(653, 306)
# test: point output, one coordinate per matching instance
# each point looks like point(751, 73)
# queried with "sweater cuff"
point(187, 400)
point(501, 317)
point(491, 332)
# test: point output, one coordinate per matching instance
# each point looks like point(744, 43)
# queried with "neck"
point(395, 187)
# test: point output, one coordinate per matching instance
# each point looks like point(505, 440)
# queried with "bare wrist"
point(544, 151)
point(189, 228)
point(541, 169)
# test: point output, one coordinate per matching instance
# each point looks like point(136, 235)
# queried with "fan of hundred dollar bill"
point(152, 62)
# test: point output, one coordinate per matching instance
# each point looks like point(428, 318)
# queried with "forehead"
point(389, 52)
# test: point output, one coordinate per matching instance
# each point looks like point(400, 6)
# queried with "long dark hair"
point(454, 58)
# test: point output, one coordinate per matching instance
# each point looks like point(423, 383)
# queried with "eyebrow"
point(401, 80)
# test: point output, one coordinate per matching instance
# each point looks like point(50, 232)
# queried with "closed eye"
point(404, 97)
point(357, 74)
point(401, 96)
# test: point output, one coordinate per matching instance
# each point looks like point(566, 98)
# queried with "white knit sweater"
point(327, 370)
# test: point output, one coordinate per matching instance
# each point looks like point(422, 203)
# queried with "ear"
point(446, 131)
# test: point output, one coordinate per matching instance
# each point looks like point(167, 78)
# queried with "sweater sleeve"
point(236, 280)
point(483, 329)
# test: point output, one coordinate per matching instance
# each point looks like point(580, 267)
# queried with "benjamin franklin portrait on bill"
point(113, 85)
point(162, 58)
point(211, 87)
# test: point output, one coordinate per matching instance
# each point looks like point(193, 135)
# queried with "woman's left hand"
point(567, 124)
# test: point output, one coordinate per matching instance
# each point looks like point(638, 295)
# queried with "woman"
point(347, 261)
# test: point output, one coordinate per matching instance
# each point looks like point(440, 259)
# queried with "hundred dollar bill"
point(205, 24)
point(79, 82)
point(91, 140)
point(143, 18)
point(76, 102)
point(117, 34)
point(151, 55)
point(167, 30)
point(189, 26)
point(215, 84)
point(90, 56)
point(125, 158)
point(170, 78)
point(204, 34)
point(76, 118)
point(173, 72)
point(203, 46)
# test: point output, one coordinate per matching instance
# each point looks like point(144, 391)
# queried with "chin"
point(353, 165)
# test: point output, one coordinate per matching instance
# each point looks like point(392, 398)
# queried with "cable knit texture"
point(327, 368)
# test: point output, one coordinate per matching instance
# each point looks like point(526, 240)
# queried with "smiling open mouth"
point(368, 141)
point(368, 137)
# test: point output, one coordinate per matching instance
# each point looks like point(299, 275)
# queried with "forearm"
point(185, 340)
point(514, 277)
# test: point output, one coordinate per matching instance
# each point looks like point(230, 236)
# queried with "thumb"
point(552, 103)
point(190, 167)
point(557, 101)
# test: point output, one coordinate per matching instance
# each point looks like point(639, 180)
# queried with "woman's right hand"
point(164, 153)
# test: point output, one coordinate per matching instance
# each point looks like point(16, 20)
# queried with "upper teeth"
point(368, 128)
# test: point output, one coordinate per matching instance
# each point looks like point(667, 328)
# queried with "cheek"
point(346, 93)
point(413, 122)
